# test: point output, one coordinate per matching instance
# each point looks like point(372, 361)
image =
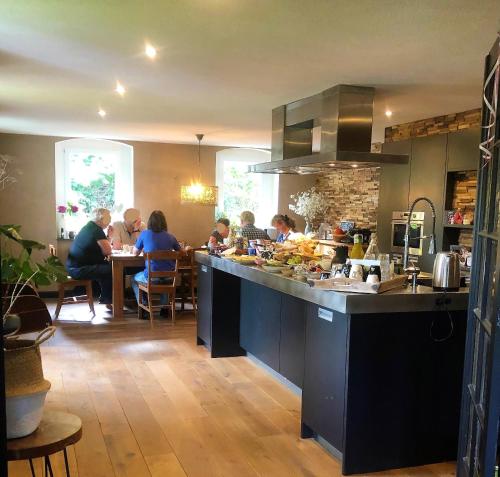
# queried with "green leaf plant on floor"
point(19, 268)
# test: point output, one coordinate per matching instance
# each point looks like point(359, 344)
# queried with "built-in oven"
point(399, 220)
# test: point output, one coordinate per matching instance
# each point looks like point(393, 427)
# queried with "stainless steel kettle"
point(446, 273)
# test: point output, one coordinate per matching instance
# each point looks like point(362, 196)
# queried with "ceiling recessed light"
point(388, 113)
point(354, 165)
point(150, 51)
point(120, 89)
point(101, 112)
point(332, 164)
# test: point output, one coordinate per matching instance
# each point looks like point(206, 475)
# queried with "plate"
point(272, 269)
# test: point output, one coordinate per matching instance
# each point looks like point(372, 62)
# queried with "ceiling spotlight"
point(150, 51)
point(354, 165)
point(120, 89)
point(388, 113)
point(101, 112)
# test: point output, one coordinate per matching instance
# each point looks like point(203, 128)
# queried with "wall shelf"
point(458, 226)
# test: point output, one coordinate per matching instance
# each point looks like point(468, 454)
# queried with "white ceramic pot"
point(24, 413)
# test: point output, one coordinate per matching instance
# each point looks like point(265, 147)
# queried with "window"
point(92, 173)
point(240, 190)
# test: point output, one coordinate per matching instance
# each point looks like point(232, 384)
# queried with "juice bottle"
point(357, 248)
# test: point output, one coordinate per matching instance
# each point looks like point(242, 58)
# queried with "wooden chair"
point(32, 311)
point(188, 275)
point(151, 288)
point(70, 284)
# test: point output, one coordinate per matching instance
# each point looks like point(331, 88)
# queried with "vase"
point(61, 226)
point(25, 384)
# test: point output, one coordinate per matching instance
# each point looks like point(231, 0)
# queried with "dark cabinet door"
point(292, 340)
point(394, 191)
point(463, 150)
point(323, 394)
point(428, 177)
point(204, 304)
point(260, 322)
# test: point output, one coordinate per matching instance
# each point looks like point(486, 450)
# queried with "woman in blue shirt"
point(284, 225)
point(155, 238)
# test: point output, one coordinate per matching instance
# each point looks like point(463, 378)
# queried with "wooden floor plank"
point(153, 403)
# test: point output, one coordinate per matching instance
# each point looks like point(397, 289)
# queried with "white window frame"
point(270, 182)
point(124, 179)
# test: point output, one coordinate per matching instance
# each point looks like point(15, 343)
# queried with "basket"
point(23, 365)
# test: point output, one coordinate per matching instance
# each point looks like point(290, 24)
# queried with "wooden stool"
point(70, 284)
point(56, 431)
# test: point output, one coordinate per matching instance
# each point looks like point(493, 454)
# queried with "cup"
point(356, 273)
point(373, 278)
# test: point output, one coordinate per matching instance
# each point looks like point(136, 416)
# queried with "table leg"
point(66, 462)
point(32, 468)
point(48, 466)
point(118, 300)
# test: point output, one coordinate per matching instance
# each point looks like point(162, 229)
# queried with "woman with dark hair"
point(154, 239)
point(284, 225)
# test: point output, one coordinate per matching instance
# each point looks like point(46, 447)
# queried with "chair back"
point(169, 255)
point(187, 259)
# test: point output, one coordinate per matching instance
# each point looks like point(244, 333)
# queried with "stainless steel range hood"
point(329, 130)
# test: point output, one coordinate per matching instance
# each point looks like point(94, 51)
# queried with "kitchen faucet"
point(432, 244)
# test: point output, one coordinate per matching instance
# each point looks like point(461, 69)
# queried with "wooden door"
point(481, 383)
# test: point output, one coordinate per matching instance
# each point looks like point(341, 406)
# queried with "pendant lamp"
point(197, 192)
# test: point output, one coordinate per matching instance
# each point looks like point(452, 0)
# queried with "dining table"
point(119, 261)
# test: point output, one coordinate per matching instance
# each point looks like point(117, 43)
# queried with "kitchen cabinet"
point(218, 324)
point(463, 150)
point(292, 339)
point(260, 317)
point(204, 322)
point(393, 191)
point(323, 393)
point(427, 179)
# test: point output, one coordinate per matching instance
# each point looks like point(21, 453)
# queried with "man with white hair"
point(127, 231)
point(88, 252)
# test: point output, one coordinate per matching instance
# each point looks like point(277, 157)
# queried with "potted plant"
point(25, 385)
point(311, 205)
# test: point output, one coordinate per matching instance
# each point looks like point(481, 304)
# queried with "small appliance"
point(446, 274)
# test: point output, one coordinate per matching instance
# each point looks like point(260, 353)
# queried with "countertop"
point(394, 301)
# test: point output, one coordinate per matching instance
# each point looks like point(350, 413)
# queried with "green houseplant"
point(18, 268)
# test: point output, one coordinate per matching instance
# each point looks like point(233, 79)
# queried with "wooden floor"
point(154, 404)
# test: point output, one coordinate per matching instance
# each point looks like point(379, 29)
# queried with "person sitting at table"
point(126, 231)
point(156, 238)
point(88, 253)
point(248, 229)
point(285, 227)
point(220, 232)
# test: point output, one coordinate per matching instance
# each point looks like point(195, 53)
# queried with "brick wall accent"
point(465, 237)
point(464, 192)
point(352, 194)
point(437, 125)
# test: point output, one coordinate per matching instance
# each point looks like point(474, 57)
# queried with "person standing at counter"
point(127, 231)
point(220, 232)
point(285, 227)
point(248, 229)
point(88, 253)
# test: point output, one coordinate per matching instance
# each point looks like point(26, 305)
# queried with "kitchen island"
point(380, 375)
